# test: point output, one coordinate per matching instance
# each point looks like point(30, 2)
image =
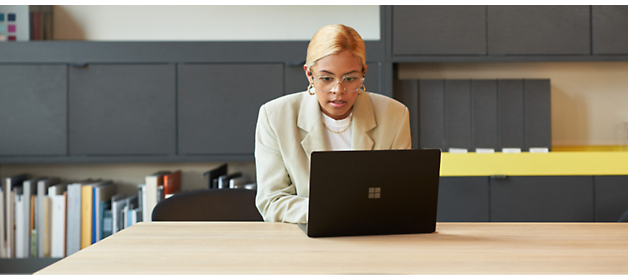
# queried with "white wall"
point(589, 99)
point(213, 23)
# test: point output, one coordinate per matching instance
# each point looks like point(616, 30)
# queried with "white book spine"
point(58, 227)
point(3, 243)
point(20, 251)
point(73, 227)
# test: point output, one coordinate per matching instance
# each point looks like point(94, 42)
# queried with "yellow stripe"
point(535, 164)
point(602, 148)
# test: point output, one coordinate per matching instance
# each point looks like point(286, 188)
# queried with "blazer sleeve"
point(276, 198)
point(403, 139)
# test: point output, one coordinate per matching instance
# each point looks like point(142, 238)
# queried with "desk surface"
point(277, 248)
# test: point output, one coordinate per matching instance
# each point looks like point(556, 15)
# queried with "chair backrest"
point(209, 205)
point(624, 217)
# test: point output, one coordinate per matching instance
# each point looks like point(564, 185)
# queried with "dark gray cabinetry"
point(25, 266)
point(33, 108)
point(431, 111)
point(610, 26)
point(458, 114)
point(538, 116)
point(484, 114)
point(542, 199)
point(218, 105)
point(473, 114)
point(118, 109)
point(439, 30)
point(611, 197)
point(463, 199)
point(539, 30)
point(511, 113)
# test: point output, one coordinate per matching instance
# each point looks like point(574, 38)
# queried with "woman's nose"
point(338, 88)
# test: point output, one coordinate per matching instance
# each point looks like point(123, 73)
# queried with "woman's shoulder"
point(289, 100)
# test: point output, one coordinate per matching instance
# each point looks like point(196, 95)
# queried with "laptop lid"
point(373, 192)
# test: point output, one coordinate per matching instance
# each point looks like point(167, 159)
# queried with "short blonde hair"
point(333, 39)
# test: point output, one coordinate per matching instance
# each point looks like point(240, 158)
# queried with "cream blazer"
point(290, 128)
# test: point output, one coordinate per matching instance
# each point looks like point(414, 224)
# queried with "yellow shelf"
point(535, 164)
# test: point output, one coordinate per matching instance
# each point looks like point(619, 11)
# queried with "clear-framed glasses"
point(350, 83)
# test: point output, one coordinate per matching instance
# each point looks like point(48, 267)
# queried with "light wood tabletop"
point(278, 248)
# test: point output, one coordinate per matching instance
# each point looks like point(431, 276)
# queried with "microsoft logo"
point(374, 193)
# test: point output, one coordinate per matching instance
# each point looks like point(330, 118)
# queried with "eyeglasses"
point(350, 83)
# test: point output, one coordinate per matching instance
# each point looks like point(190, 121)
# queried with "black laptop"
point(373, 192)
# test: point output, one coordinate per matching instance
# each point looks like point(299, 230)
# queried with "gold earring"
point(311, 89)
point(363, 89)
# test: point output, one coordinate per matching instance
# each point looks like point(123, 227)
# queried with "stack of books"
point(46, 217)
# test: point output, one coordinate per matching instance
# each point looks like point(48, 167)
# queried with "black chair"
point(209, 205)
point(624, 218)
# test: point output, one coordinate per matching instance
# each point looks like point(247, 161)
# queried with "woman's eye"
point(351, 79)
point(327, 79)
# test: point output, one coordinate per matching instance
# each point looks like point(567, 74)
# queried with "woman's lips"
point(338, 103)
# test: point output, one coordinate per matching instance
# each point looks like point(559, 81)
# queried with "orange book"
point(172, 182)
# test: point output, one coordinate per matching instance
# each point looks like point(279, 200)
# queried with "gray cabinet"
point(539, 30)
point(485, 111)
point(439, 30)
point(473, 114)
point(120, 109)
point(218, 105)
point(463, 199)
point(611, 197)
point(511, 116)
point(542, 199)
point(609, 24)
point(33, 110)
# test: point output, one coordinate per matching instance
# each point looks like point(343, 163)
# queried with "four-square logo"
point(374, 193)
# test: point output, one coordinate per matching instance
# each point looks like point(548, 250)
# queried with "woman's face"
point(338, 102)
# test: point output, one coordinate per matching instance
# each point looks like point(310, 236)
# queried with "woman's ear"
point(308, 73)
point(365, 68)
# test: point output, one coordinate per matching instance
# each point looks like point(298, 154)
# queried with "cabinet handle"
point(79, 64)
point(294, 63)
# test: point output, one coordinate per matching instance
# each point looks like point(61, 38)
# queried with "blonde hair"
point(333, 39)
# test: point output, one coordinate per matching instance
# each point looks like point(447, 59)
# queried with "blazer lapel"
point(309, 120)
point(363, 122)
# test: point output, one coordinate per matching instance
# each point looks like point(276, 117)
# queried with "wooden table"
point(277, 248)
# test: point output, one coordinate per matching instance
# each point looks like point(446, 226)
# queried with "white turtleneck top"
point(337, 141)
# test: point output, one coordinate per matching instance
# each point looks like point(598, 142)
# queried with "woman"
point(335, 113)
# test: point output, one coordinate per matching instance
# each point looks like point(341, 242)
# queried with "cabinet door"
point(542, 199)
point(219, 104)
point(484, 114)
point(33, 110)
point(510, 96)
point(539, 30)
point(463, 199)
point(611, 197)
point(458, 114)
point(609, 25)
point(439, 30)
point(122, 110)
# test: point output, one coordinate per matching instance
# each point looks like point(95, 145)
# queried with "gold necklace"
point(338, 132)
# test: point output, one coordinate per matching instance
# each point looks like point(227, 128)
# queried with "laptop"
point(373, 192)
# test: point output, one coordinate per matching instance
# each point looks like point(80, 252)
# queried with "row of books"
point(40, 22)
point(45, 217)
